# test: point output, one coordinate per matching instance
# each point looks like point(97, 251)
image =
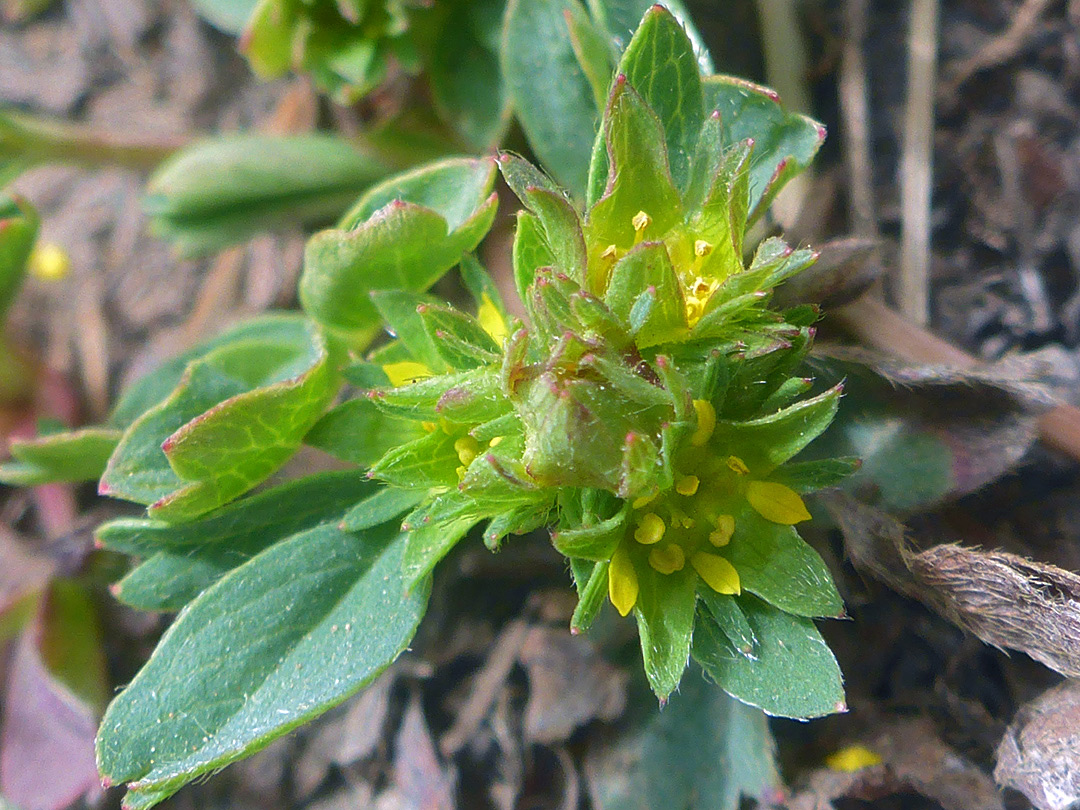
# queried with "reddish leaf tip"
point(115, 589)
point(575, 631)
point(715, 115)
point(104, 489)
point(840, 707)
point(620, 80)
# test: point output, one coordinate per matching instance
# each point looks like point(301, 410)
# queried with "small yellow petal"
point(491, 320)
point(405, 372)
point(650, 529)
point(622, 582)
point(776, 502)
point(718, 573)
point(667, 559)
point(737, 465)
point(853, 758)
point(49, 262)
point(706, 422)
point(644, 500)
point(725, 527)
point(466, 448)
point(687, 485)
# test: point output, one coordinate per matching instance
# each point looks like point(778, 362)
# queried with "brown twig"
point(881, 328)
point(916, 163)
point(855, 117)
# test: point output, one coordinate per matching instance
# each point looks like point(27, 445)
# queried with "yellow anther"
point(718, 573)
point(695, 308)
point(650, 529)
point(404, 372)
point(737, 465)
point(641, 221)
point(853, 758)
point(777, 503)
point(495, 442)
point(706, 422)
point(461, 473)
point(430, 427)
point(702, 248)
point(667, 559)
point(622, 582)
point(466, 448)
point(687, 485)
point(644, 500)
point(610, 252)
point(49, 262)
point(725, 527)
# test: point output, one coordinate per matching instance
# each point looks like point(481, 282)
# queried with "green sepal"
point(79, 455)
point(794, 674)
point(404, 234)
point(777, 565)
point(665, 618)
point(646, 274)
point(380, 507)
point(591, 597)
point(727, 614)
point(423, 463)
point(467, 397)
point(773, 263)
point(721, 219)
point(427, 544)
point(360, 433)
point(596, 542)
point(640, 460)
point(520, 520)
point(810, 476)
point(459, 339)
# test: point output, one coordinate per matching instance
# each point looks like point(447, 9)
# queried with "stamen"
point(650, 529)
point(466, 448)
point(667, 559)
point(687, 485)
point(610, 252)
point(725, 527)
point(641, 221)
point(495, 442)
point(702, 248)
point(737, 465)
point(706, 422)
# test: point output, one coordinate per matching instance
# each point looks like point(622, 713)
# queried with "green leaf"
point(768, 442)
point(637, 179)
point(229, 16)
point(784, 143)
point(621, 18)
point(810, 476)
point(645, 273)
point(279, 640)
point(385, 505)
point(665, 617)
point(187, 559)
point(704, 751)
point(237, 415)
point(80, 455)
point(794, 673)
point(531, 251)
point(267, 40)
point(358, 432)
point(221, 191)
point(423, 463)
point(458, 338)
point(659, 63)
point(398, 310)
point(550, 93)
point(593, 51)
point(428, 544)
point(403, 235)
point(591, 598)
point(721, 220)
point(466, 83)
point(18, 232)
point(70, 642)
point(783, 569)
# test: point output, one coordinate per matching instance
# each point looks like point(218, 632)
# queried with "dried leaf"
point(569, 684)
point(424, 784)
point(1040, 753)
point(1003, 599)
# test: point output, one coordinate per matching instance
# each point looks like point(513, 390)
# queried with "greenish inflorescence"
point(649, 409)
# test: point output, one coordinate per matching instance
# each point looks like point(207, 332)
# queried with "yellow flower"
point(776, 502)
point(622, 582)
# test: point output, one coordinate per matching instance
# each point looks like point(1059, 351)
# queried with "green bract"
point(650, 413)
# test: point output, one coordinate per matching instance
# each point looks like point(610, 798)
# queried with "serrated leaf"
point(780, 567)
point(551, 94)
point(237, 415)
point(186, 559)
point(223, 190)
point(784, 143)
point(704, 751)
point(358, 432)
point(660, 64)
point(403, 235)
point(458, 338)
point(725, 611)
point(79, 455)
point(809, 476)
point(289, 634)
point(384, 505)
point(665, 617)
point(429, 543)
point(794, 674)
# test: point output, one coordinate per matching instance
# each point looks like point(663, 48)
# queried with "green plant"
point(648, 414)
